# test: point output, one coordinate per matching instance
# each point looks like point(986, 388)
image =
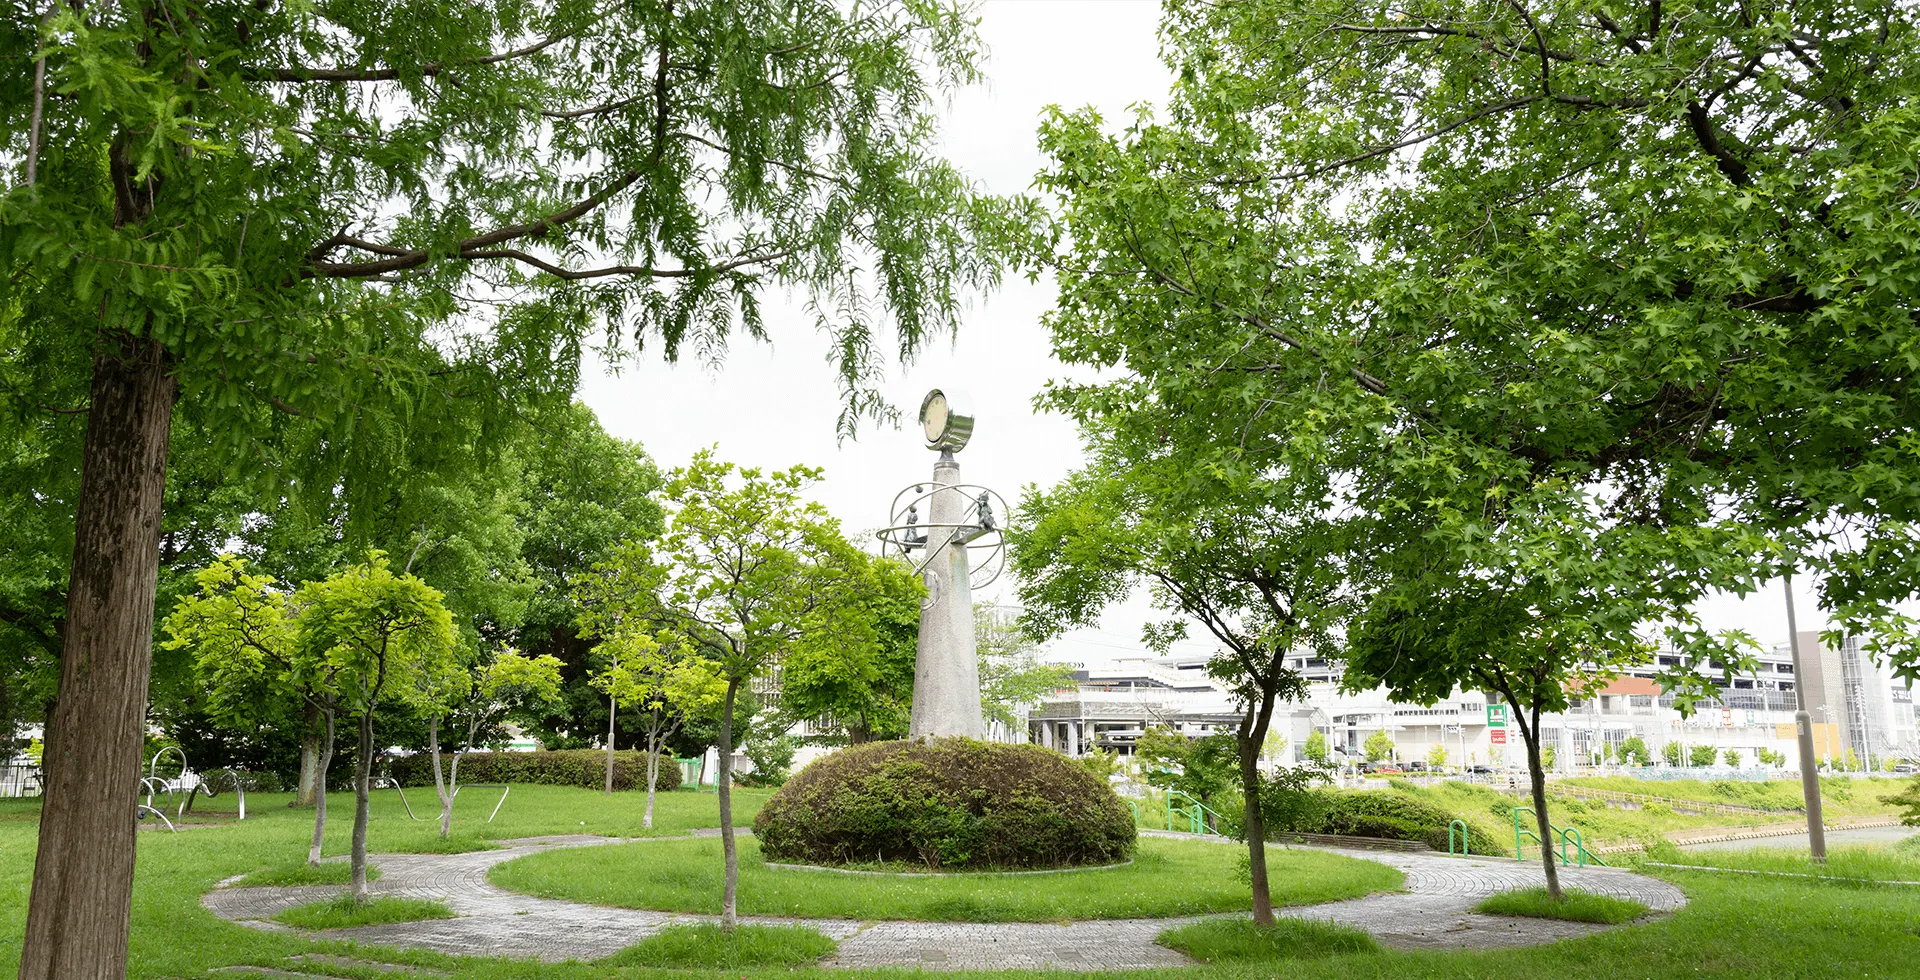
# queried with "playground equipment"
point(184, 786)
point(1569, 836)
point(388, 782)
point(1461, 826)
point(1195, 814)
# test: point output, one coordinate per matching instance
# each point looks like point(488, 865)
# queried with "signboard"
point(1497, 716)
point(1499, 736)
point(1726, 717)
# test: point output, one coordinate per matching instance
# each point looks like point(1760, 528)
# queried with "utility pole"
point(1803, 725)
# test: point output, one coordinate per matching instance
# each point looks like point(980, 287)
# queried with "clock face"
point(933, 416)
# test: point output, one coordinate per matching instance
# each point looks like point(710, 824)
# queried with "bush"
point(1392, 816)
point(585, 768)
point(947, 803)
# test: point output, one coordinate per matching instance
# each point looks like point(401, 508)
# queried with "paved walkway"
point(1433, 913)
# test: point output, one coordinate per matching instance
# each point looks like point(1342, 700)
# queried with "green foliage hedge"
point(946, 803)
point(585, 768)
point(1395, 816)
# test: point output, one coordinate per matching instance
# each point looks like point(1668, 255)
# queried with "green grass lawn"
point(707, 945)
point(302, 873)
point(1737, 927)
point(1898, 862)
point(1573, 906)
point(342, 912)
point(1240, 941)
point(1167, 877)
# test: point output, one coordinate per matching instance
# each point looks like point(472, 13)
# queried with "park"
point(1249, 489)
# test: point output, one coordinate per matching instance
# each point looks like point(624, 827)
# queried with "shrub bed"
point(1394, 816)
point(585, 768)
point(946, 803)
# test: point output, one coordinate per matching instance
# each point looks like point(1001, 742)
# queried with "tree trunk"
point(440, 786)
point(729, 916)
point(80, 908)
point(309, 759)
point(362, 779)
point(320, 795)
point(653, 777)
point(613, 715)
point(1256, 825)
point(1538, 777)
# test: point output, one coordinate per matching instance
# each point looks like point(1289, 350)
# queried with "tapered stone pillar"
point(946, 673)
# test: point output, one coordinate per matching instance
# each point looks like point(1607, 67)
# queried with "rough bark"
point(80, 908)
point(362, 779)
point(320, 791)
point(729, 916)
point(1253, 732)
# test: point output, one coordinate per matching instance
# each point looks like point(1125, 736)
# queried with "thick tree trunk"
point(1253, 731)
point(1538, 777)
point(729, 916)
point(362, 779)
point(612, 716)
point(80, 908)
point(320, 791)
point(309, 760)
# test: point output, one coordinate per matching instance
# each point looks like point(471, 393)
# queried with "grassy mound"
point(342, 912)
point(946, 803)
point(707, 946)
point(1535, 903)
point(1233, 940)
point(1166, 878)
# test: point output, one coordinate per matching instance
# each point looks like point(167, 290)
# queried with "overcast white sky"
point(775, 405)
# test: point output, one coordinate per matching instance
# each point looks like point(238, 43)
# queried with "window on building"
point(1669, 661)
point(1783, 668)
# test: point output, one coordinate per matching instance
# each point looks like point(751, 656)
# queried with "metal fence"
point(19, 779)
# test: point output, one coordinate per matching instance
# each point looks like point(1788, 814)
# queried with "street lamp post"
point(1803, 726)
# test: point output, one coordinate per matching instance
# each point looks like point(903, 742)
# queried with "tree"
point(1674, 753)
point(749, 569)
point(1701, 756)
point(855, 681)
point(1732, 756)
point(1437, 757)
point(369, 628)
point(1258, 559)
point(1634, 752)
point(1274, 748)
point(1315, 749)
point(1378, 746)
point(475, 695)
point(665, 681)
point(279, 233)
point(244, 633)
point(1908, 800)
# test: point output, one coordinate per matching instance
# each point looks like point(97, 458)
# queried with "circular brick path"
point(1433, 913)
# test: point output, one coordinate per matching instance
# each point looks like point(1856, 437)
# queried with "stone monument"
point(946, 675)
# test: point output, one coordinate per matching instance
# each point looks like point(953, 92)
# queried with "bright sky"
point(775, 405)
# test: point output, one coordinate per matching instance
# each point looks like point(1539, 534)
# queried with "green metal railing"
point(1461, 827)
point(1567, 836)
point(1195, 814)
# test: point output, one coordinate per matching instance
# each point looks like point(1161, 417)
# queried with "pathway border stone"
point(1433, 913)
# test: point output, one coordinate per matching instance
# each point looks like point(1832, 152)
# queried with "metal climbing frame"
point(1567, 836)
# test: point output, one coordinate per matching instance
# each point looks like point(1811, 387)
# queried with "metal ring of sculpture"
point(908, 534)
point(177, 788)
point(141, 810)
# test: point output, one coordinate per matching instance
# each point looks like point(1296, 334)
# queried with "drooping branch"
point(305, 73)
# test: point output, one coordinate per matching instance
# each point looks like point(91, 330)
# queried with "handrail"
point(1196, 814)
point(1589, 792)
point(1581, 857)
point(1462, 825)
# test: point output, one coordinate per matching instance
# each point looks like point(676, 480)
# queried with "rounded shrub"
point(951, 803)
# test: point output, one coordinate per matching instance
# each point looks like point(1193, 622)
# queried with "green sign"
point(1496, 716)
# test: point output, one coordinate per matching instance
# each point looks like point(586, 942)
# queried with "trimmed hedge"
point(1393, 816)
point(585, 768)
point(946, 803)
